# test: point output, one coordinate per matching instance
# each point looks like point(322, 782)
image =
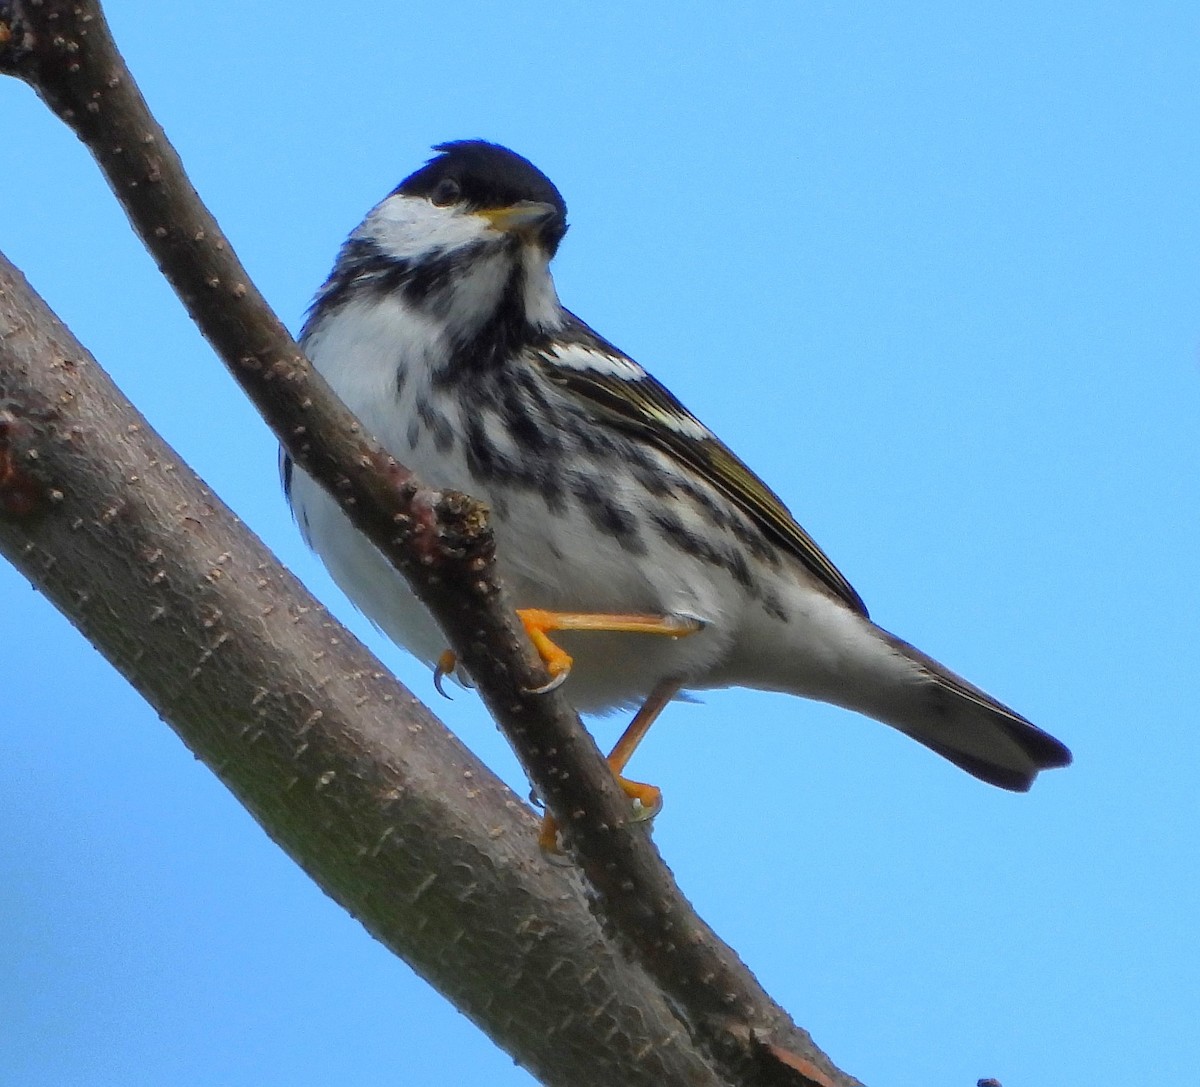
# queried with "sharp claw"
point(644, 814)
point(445, 665)
point(554, 684)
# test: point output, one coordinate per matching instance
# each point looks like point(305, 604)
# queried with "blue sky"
point(934, 273)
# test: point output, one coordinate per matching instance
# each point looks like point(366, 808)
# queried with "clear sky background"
point(934, 271)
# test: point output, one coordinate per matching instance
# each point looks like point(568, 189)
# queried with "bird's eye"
point(445, 192)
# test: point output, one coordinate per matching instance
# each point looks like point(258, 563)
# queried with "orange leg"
point(538, 624)
point(648, 797)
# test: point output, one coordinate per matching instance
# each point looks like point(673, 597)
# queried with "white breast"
point(558, 561)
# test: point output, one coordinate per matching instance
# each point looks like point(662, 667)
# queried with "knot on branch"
point(466, 530)
point(446, 530)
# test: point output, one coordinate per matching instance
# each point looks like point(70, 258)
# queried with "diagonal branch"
point(440, 541)
point(342, 766)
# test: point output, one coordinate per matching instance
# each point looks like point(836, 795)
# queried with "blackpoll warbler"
point(621, 520)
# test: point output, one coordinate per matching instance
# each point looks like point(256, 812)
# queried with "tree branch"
point(440, 541)
point(341, 765)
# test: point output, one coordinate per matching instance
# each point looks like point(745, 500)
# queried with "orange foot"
point(647, 799)
point(538, 623)
point(647, 803)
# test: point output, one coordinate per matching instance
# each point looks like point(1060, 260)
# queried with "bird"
point(645, 559)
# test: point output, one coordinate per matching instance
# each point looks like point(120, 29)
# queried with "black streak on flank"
point(606, 515)
point(436, 424)
point(484, 460)
point(521, 418)
point(287, 471)
point(286, 468)
point(676, 533)
point(772, 606)
point(488, 463)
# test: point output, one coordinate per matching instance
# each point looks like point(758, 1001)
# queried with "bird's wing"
point(614, 388)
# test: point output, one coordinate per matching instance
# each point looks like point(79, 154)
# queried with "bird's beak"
point(518, 217)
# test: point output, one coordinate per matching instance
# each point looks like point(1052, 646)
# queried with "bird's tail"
point(964, 724)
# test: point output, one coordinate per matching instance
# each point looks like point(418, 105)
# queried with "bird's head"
point(478, 192)
point(466, 240)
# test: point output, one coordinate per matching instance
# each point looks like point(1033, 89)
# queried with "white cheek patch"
point(407, 227)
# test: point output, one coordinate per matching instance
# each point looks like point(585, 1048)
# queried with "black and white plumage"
point(441, 329)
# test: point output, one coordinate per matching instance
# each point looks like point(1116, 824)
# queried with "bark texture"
point(341, 765)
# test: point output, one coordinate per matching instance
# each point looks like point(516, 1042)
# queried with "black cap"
point(490, 176)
